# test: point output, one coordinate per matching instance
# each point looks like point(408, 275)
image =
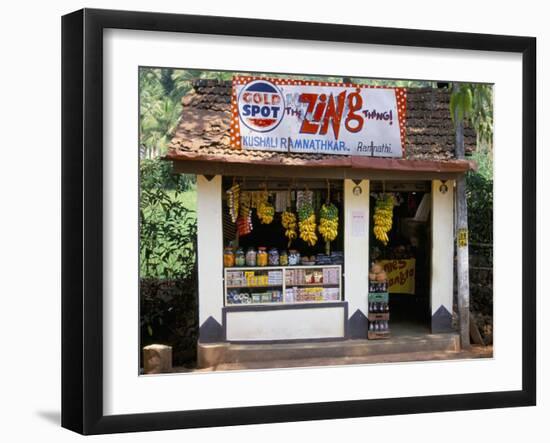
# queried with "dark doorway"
point(409, 241)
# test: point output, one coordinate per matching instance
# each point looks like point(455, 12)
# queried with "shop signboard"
point(401, 275)
point(298, 116)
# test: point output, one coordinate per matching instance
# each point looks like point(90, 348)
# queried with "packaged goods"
point(290, 295)
point(244, 220)
point(233, 196)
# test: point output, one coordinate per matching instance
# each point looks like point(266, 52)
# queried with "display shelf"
point(378, 311)
point(267, 268)
point(314, 284)
point(378, 335)
point(253, 287)
point(288, 287)
point(375, 316)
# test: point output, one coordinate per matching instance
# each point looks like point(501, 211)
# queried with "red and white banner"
point(300, 116)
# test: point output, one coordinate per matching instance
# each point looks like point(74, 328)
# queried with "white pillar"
point(356, 250)
point(442, 278)
point(210, 257)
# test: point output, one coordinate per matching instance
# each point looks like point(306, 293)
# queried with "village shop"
point(325, 212)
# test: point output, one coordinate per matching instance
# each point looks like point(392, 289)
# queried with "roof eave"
point(376, 164)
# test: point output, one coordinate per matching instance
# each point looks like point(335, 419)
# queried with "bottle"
point(228, 257)
point(261, 256)
point(240, 259)
point(283, 258)
point(250, 257)
point(273, 257)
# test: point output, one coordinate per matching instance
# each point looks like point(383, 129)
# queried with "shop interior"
point(261, 245)
point(283, 240)
point(409, 238)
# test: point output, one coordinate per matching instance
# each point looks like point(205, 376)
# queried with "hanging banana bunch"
point(383, 215)
point(328, 221)
point(288, 220)
point(233, 197)
point(307, 224)
point(265, 210)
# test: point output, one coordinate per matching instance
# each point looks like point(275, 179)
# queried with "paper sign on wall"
point(358, 224)
point(317, 117)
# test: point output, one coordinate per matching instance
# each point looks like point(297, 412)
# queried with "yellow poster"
point(401, 275)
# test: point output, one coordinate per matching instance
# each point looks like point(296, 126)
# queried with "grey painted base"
point(442, 321)
point(358, 325)
point(210, 331)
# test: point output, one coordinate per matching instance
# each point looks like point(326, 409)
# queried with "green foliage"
point(168, 228)
point(475, 102)
point(393, 83)
point(479, 195)
point(169, 314)
point(159, 112)
point(461, 102)
point(160, 93)
point(158, 173)
point(483, 157)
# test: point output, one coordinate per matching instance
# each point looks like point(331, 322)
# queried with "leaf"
point(467, 100)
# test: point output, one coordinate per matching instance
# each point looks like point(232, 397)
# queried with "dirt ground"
point(475, 352)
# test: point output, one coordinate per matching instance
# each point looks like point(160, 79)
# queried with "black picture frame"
point(82, 215)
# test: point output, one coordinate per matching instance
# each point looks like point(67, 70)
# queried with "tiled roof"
point(203, 130)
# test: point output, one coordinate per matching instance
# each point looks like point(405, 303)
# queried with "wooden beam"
point(462, 269)
point(359, 163)
point(281, 171)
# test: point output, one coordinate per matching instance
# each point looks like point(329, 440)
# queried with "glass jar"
point(283, 258)
point(261, 257)
point(273, 257)
point(228, 257)
point(240, 259)
point(250, 257)
point(293, 257)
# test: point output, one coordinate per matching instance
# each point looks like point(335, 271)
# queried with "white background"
point(30, 183)
point(125, 392)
